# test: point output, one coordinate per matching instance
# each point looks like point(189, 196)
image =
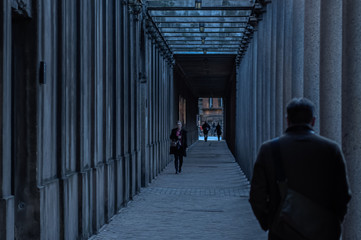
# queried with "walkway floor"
point(208, 200)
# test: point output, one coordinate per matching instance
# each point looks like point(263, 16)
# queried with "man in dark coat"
point(314, 166)
point(205, 128)
point(179, 146)
point(219, 131)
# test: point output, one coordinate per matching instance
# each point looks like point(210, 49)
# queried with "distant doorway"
point(210, 110)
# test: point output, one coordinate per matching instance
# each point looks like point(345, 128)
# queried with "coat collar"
point(300, 128)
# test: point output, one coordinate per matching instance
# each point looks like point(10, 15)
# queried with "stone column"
point(258, 68)
point(287, 80)
point(351, 111)
point(119, 64)
point(126, 93)
point(312, 55)
point(143, 106)
point(298, 47)
point(279, 4)
point(6, 199)
point(331, 69)
point(273, 75)
point(252, 53)
point(253, 76)
point(268, 77)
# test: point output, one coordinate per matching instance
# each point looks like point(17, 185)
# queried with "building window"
point(210, 102)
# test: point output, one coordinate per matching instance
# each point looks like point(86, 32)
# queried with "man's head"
point(300, 111)
point(179, 124)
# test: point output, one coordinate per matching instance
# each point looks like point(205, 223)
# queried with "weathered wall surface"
point(304, 48)
point(80, 138)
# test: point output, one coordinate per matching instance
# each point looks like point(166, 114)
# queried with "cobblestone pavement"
point(208, 200)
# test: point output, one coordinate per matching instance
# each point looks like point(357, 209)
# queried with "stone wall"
point(83, 134)
point(304, 48)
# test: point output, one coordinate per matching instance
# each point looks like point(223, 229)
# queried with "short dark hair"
point(300, 110)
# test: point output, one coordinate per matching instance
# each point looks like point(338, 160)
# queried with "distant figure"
point(312, 166)
point(179, 146)
point(206, 129)
point(219, 131)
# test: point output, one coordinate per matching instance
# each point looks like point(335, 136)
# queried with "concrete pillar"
point(287, 80)
point(263, 97)
point(331, 69)
point(258, 70)
point(138, 100)
point(109, 110)
point(298, 47)
point(125, 93)
point(153, 110)
point(144, 106)
point(351, 111)
point(253, 76)
point(280, 5)
point(119, 69)
point(268, 77)
point(6, 198)
point(132, 108)
point(273, 8)
point(98, 120)
point(311, 70)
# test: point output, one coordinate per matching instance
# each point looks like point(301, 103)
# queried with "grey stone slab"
point(86, 207)
point(7, 218)
point(49, 212)
point(70, 198)
point(98, 213)
point(110, 189)
point(208, 200)
point(119, 183)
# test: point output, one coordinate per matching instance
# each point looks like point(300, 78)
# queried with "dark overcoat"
point(314, 166)
point(182, 151)
point(206, 128)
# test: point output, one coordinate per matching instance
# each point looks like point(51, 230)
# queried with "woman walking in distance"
point(178, 146)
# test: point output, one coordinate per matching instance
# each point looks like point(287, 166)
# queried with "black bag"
point(173, 147)
point(298, 217)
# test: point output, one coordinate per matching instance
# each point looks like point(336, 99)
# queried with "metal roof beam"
point(200, 19)
point(196, 30)
point(200, 13)
point(196, 42)
point(208, 46)
point(208, 34)
point(205, 3)
point(208, 38)
point(206, 25)
point(208, 53)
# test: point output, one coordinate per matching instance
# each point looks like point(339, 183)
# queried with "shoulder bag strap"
point(280, 173)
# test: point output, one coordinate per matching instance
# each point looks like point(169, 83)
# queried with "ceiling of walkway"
point(206, 75)
point(215, 27)
point(206, 37)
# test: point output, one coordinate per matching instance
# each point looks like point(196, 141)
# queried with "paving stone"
point(208, 200)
